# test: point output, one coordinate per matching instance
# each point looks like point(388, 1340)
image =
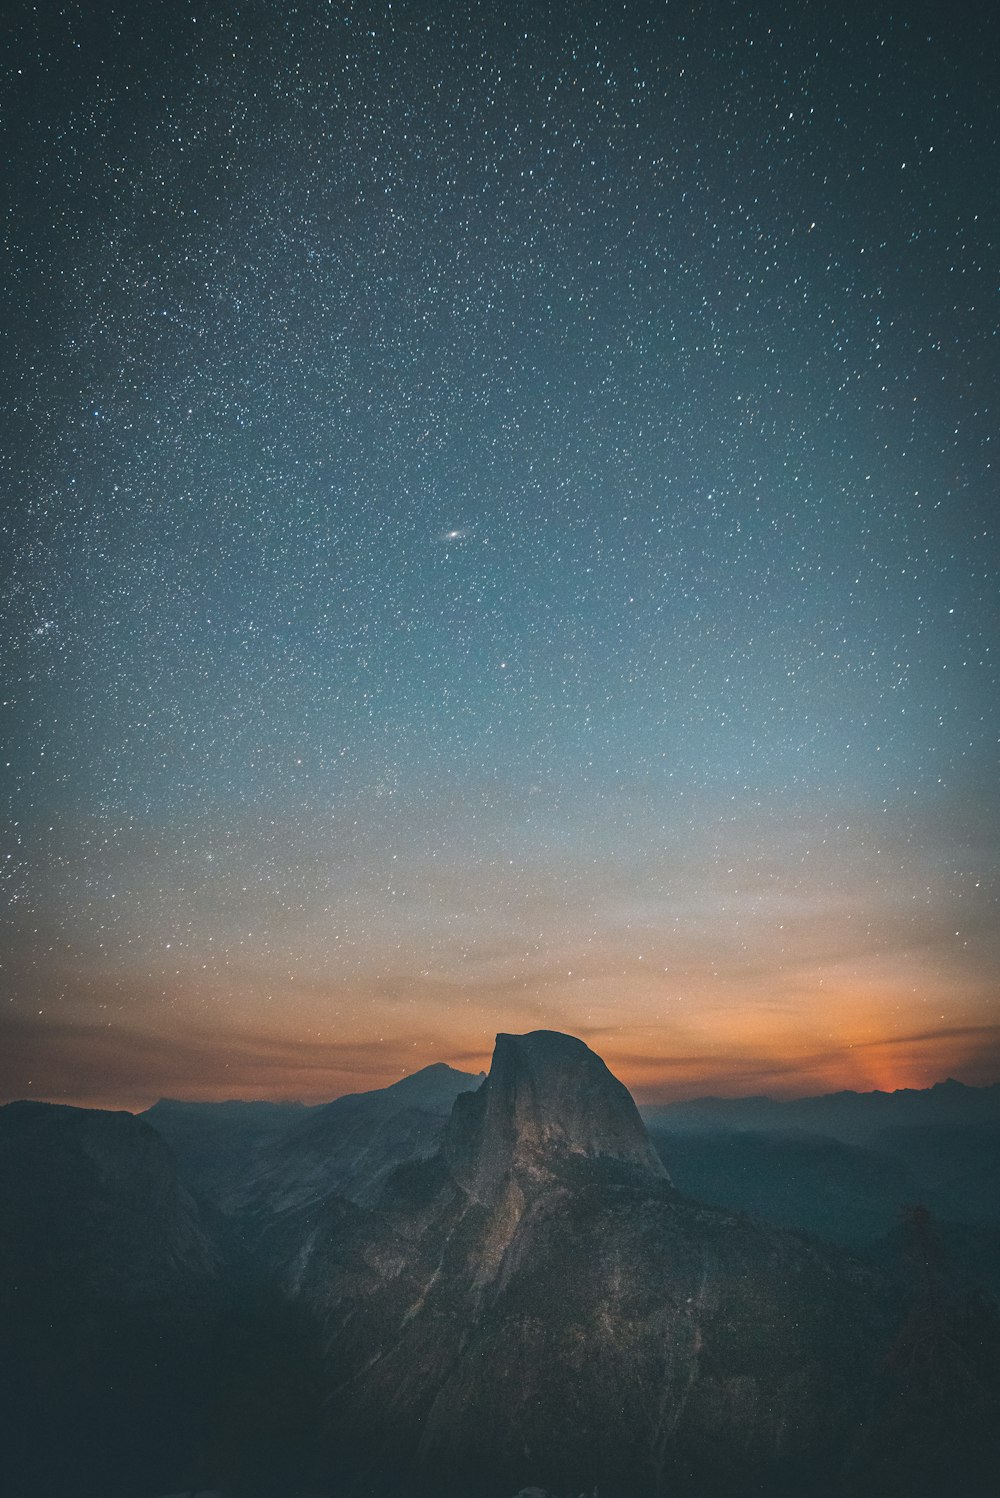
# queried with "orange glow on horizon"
point(758, 1054)
point(718, 1022)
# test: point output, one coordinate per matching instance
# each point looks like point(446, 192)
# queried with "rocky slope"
point(263, 1158)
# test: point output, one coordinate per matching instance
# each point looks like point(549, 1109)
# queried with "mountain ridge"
point(470, 1287)
point(853, 1117)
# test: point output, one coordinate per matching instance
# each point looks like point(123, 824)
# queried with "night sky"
point(499, 531)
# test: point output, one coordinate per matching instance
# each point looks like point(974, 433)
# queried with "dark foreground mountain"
point(94, 1198)
point(444, 1289)
point(108, 1278)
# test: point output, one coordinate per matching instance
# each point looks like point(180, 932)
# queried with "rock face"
point(548, 1098)
point(535, 1304)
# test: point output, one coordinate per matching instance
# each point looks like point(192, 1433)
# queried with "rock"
point(548, 1098)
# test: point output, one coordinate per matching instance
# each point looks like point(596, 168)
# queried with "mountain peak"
point(435, 1081)
point(547, 1097)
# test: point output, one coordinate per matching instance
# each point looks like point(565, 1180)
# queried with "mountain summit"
point(548, 1098)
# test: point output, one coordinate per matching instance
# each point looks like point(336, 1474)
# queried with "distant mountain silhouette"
point(806, 1182)
point(852, 1117)
point(842, 1165)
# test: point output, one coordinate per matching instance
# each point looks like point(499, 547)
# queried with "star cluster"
point(501, 530)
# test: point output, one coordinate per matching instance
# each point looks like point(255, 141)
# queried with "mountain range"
point(474, 1286)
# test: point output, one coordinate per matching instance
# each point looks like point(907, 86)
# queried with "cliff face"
point(534, 1304)
point(548, 1098)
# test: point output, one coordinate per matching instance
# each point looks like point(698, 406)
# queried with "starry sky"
point(499, 531)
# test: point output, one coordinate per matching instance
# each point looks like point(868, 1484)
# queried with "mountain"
point(805, 1182)
point(548, 1097)
point(350, 1147)
point(462, 1288)
point(843, 1165)
point(272, 1156)
point(534, 1303)
point(215, 1143)
point(956, 1167)
point(95, 1196)
point(852, 1117)
point(109, 1284)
